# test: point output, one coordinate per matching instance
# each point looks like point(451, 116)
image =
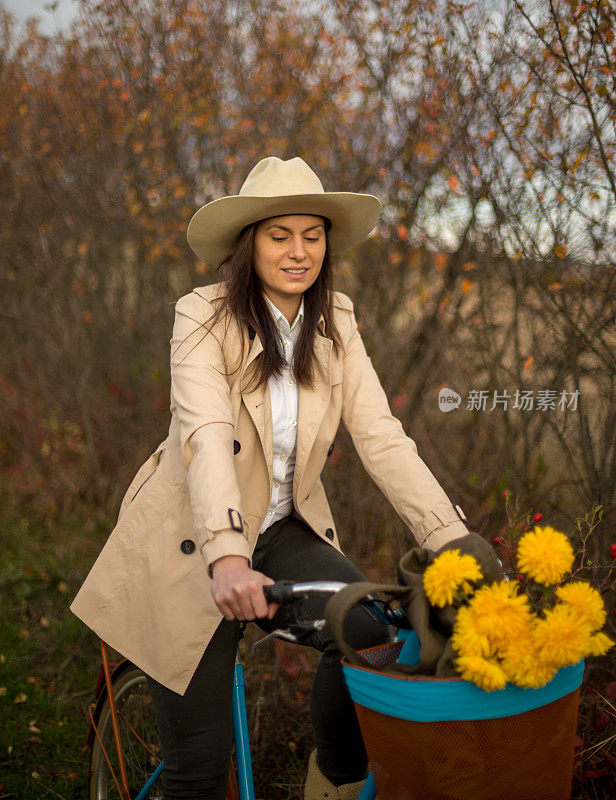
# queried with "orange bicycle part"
point(114, 722)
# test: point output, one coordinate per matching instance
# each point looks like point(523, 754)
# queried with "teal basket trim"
point(443, 699)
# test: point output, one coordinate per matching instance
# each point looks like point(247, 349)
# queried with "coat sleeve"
point(201, 395)
point(388, 454)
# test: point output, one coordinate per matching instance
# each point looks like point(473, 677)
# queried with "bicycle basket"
point(445, 739)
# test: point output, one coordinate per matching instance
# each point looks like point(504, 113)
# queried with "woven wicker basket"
point(446, 739)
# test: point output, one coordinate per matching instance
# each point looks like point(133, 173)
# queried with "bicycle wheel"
point(139, 736)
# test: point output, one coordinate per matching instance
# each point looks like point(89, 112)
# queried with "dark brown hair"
point(244, 302)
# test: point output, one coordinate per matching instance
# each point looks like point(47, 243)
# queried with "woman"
point(263, 367)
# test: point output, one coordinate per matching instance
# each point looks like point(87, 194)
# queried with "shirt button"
point(282, 457)
point(286, 341)
point(290, 381)
point(270, 511)
point(293, 422)
point(276, 484)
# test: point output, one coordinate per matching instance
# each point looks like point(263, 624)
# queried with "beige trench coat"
point(205, 491)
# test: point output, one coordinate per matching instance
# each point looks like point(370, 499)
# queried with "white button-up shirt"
point(284, 399)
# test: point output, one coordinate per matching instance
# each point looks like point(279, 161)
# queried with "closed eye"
point(282, 238)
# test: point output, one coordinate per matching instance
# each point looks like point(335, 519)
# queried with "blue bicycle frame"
point(242, 748)
point(240, 731)
point(242, 743)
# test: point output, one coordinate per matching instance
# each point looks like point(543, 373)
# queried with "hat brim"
point(213, 230)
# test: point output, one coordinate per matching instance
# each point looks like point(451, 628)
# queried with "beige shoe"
point(318, 787)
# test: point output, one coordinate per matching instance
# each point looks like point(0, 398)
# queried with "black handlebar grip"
point(279, 592)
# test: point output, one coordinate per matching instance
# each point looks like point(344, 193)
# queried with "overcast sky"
point(21, 9)
point(67, 9)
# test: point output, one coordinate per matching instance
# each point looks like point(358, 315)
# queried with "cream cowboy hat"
point(275, 187)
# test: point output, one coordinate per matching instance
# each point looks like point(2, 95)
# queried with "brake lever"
point(279, 633)
point(297, 632)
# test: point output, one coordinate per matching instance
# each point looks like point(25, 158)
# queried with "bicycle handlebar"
point(286, 591)
point(297, 630)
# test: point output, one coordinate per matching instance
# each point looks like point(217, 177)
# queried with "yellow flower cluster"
point(448, 575)
point(498, 637)
point(545, 555)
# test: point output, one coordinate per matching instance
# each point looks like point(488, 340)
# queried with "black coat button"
point(331, 450)
point(187, 546)
point(330, 534)
point(236, 447)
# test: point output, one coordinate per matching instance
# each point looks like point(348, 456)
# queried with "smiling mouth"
point(296, 271)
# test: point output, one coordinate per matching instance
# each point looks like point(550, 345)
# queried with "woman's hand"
point(238, 590)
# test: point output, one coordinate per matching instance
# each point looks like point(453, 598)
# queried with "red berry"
point(537, 517)
point(498, 540)
point(613, 550)
point(505, 492)
point(520, 577)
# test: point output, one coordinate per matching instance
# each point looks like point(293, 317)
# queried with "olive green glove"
point(475, 545)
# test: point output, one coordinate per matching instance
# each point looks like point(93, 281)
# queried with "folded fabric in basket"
point(433, 626)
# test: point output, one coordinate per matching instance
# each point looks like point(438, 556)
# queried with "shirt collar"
point(278, 315)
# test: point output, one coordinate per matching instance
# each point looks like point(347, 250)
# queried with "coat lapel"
point(312, 405)
point(259, 406)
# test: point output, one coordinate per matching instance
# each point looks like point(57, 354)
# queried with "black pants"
point(196, 728)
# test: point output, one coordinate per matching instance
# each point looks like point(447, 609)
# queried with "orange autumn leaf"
point(200, 120)
point(560, 250)
point(466, 286)
point(440, 261)
point(402, 232)
point(528, 363)
point(553, 287)
point(469, 265)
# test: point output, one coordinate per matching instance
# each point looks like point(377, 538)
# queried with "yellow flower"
point(545, 555)
point(523, 667)
point(447, 574)
point(600, 644)
point(501, 614)
point(585, 602)
point(466, 639)
point(560, 638)
point(482, 672)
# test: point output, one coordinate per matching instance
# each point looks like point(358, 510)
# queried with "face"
point(287, 256)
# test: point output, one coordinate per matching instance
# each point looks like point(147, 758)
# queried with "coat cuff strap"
point(223, 520)
point(441, 525)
